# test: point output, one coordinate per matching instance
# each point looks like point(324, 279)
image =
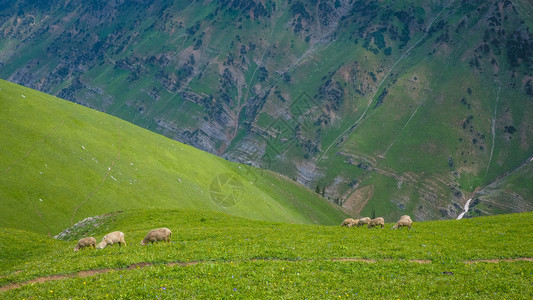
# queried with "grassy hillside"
point(62, 162)
point(217, 255)
point(404, 107)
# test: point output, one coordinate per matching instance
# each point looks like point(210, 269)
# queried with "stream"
point(467, 204)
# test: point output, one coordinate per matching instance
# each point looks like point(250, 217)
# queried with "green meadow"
point(214, 255)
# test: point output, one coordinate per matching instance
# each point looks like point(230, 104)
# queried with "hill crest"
point(62, 162)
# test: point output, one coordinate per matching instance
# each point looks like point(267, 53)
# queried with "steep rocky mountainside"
point(388, 106)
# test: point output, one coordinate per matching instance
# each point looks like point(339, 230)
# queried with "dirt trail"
point(101, 183)
point(140, 265)
point(498, 260)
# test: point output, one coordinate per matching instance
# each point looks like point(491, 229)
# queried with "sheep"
point(112, 238)
point(160, 234)
point(85, 242)
point(347, 222)
point(353, 223)
point(363, 221)
point(402, 223)
point(405, 217)
point(379, 221)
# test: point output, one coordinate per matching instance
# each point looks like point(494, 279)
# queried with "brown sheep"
point(160, 234)
point(379, 221)
point(112, 238)
point(363, 221)
point(347, 222)
point(353, 223)
point(85, 242)
point(403, 223)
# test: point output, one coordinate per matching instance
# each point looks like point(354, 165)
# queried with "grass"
point(246, 258)
point(297, 279)
point(62, 162)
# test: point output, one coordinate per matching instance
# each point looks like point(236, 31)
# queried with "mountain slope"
point(401, 107)
point(62, 162)
point(461, 116)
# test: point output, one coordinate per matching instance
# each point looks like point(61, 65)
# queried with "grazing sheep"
point(85, 242)
point(353, 223)
point(363, 221)
point(160, 234)
point(112, 238)
point(346, 222)
point(379, 221)
point(402, 223)
point(405, 217)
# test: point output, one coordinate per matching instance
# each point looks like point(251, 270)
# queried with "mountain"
point(62, 162)
point(385, 106)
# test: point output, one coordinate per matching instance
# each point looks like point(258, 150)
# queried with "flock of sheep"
point(117, 237)
point(164, 234)
point(405, 221)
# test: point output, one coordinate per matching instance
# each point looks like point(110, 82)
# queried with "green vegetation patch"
point(282, 279)
point(213, 254)
point(62, 162)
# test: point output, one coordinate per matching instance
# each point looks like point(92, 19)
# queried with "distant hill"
point(392, 106)
point(62, 162)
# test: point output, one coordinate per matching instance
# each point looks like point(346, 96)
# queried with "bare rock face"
point(307, 172)
point(84, 227)
point(79, 227)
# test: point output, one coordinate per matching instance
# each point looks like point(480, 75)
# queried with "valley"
point(439, 93)
point(252, 130)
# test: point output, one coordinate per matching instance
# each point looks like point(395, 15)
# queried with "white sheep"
point(112, 238)
point(160, 234)
point(85, 242)
point(363, 221)
point(347, 222)
point(405, 217)
point(403, 223)
point(379, 221)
